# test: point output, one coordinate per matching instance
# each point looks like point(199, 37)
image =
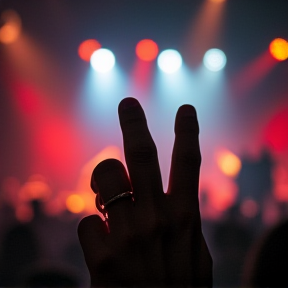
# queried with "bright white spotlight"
point(214, 59)
point(102, 60)
point(169, 61)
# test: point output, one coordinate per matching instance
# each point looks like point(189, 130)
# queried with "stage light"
point(169, 61)
point(75, 203)
point(11, 29)
point(86, 49)
point(228, 162)
point(102, 60)
point(147, 50)
point(214, 60)
point(279, 49)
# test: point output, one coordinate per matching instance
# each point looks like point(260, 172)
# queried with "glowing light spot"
point(35, 188)
point(279, 49)
point(169, 61)
point(102, 60)
point(249, 208)
point(147, 50)
point(87, 48)
point(11, 29)
point(228, 162)
point(214, 60)
point(75, 203)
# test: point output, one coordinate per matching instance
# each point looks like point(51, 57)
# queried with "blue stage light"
point(214, 60)
point(169, 61)
point(102, 60)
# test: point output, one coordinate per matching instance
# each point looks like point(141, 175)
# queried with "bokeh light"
point(36, 188)
point(147, 50)
point(75, 203)
point(86, 49)
point(102, 60)
point(249, 208)
point(228, 163)
point(279, 49)
point(214, 60)
point(11, 28)
point(169, 61)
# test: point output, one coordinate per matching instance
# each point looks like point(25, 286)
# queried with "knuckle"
point(133, 123)
point(143, 154)
point(188, 219)
point(190, 159)
point(152, 225)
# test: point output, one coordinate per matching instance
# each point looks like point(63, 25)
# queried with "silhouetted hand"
point(155, 240)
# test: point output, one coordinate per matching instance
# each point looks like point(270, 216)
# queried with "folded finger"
point(92, 233)
point(111, 181)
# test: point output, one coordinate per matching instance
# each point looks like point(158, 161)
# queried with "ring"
point(116, 197)
point(102, 206)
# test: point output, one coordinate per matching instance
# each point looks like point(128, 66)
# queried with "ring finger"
point(111, 181)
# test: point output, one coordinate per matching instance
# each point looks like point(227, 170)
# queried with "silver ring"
point(116, 197)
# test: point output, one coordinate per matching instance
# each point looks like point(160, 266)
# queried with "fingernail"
point(128, 103)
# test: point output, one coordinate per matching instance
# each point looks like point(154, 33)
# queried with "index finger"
point(140, 153)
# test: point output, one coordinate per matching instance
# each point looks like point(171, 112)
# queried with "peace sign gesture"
point(150, 238)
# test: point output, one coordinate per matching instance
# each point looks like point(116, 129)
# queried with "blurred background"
point(58, 119)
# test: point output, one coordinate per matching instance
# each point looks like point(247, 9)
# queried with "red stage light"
point(147, 50)
point(279, 49)
point(87, 48)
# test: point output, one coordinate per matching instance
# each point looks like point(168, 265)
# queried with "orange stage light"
point(87, 48)
point(147, 50)
point(11, 29)
point(279, 49)
point(75, 203)
point(229, 163)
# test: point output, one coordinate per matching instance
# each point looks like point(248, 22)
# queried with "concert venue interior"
point(58, 116)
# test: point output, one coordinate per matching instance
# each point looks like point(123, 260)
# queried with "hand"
point(155, 240)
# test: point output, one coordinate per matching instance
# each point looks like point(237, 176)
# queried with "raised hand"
point(150, 238)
